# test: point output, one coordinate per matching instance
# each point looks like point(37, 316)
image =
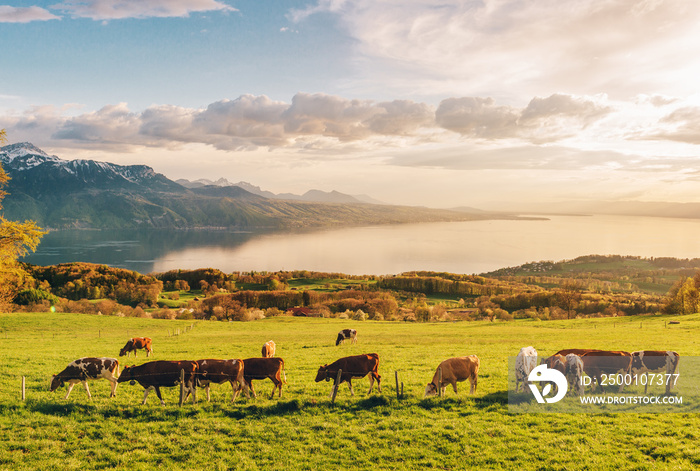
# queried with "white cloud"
point(10, 14)
point(517, 49)
point(121, 9)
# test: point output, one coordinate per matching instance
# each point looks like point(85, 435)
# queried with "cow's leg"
point(114, 383)
point(250, 387)
point(160, 396)
point(87, 389)
point(70, 388)
point(145, 394)
point(371, 383)
point(454, 386)
point(646, 383)
point(206, 388)
point(352, 392)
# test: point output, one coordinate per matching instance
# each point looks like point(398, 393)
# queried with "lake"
point(457, 247)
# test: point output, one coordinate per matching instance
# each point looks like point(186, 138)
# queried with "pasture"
point(303, 430)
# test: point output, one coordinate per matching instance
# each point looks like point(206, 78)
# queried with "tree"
point(16, 239)
point(569, 296)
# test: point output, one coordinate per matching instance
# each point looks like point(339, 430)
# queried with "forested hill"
point(59, 193)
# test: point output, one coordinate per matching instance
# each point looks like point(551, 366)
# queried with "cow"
point(157, 374)
point(136, 343)
point(598, 363)
point(263, 368)
point(356, 366)
point(576, 351)
point(655, 361)
point(346, 334)
point(574, 373)
point(83, 369)
point(268, 350)
point(525, 362)
point(220, 371)
point(454, 370)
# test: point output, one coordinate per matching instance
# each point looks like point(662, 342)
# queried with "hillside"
point(59, 193)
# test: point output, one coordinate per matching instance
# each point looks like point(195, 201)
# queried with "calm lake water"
point(458, 247)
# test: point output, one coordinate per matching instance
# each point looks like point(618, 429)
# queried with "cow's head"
point(56, 383)
point(637, 362)
point(430, 390)
point(339, 339)
point(126, 375)
point(322, 373)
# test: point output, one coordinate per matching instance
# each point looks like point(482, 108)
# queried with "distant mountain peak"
point(22, 148)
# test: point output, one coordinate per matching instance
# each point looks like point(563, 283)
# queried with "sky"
point(439, 103)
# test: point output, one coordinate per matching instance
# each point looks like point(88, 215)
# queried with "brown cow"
point(83, 369)
point(268, 350)
point(136, 343)
point(263, 368)
point(454, 370)
point(219, 371)
point(656, 361)
point(357, 366)
point(598, 363)
point(157, 374)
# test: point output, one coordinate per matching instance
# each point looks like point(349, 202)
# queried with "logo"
point(549, 375)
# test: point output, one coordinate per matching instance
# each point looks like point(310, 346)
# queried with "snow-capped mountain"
point(30, 166)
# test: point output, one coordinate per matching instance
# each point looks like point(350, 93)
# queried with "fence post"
point(23, 386)
point(439, 381)
point(182, 386)
point(336, 385)
point(396, 375)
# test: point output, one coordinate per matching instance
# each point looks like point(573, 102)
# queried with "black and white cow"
point(83, 369)
point(655, 361)
point(346, 334)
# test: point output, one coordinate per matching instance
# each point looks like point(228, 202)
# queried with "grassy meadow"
point(303, 430)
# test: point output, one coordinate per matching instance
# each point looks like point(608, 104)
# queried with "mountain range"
point(58, 193)
point(311, 195)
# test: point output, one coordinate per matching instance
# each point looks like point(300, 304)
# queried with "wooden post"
point(439, 385)
point(23, 386)
point(396, 375)
point(336, 385)
point(401, 388)
point(182, 386)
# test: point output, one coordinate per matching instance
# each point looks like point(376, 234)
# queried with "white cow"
point(525, 362)
point(574, 372)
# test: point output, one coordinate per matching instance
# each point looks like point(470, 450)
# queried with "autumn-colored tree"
point(16, 239)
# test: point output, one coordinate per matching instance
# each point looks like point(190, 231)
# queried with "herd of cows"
point(240, 373)
point(600, 366)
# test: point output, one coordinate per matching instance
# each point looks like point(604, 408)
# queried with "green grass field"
point(303, 430)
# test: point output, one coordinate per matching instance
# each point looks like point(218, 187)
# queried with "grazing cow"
point(596, 364)
point(162, 373)
point(655, 361)
point(268, 350)
point(263, 368)
point(574, 373)
point(525, 362)
point(346, 334)
point(83, 369)
point(357, 366)
point(219, 371)
point(454, 370)
point(136, 343)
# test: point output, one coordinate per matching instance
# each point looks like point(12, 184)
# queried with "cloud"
point(10, 14)
point(121, 9)
point(543, 120)
point(330, 124)
point(682, 125)
point(516, 49)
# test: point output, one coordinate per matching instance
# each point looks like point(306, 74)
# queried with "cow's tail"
point(284, 373)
